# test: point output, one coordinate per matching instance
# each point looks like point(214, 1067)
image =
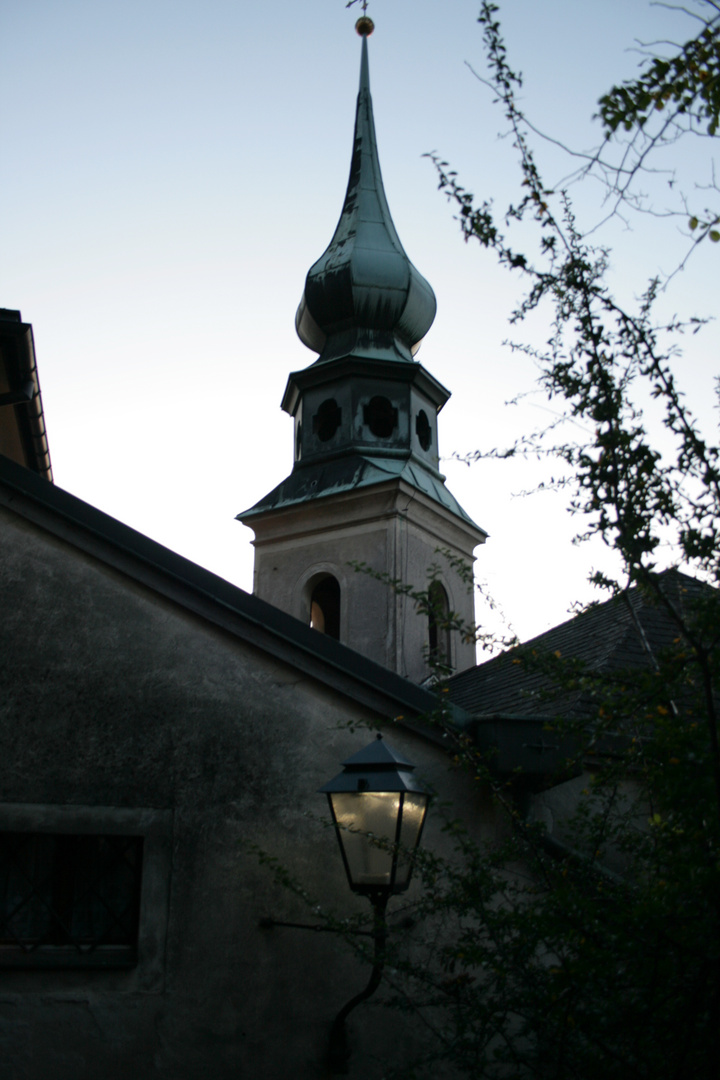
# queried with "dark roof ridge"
point(627, 630)
point(634, 595)
point(210, 596)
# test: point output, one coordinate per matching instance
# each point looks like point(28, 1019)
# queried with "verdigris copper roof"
point(364, 281)
point(365, 411)
point(352, 473)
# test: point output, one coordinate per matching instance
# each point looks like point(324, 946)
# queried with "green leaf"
point(714, 235)
point(693, 223)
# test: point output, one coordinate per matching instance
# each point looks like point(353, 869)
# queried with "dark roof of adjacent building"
point(23, 436)
point(628, 631)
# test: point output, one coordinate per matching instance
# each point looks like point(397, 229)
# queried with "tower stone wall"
point(395, 533)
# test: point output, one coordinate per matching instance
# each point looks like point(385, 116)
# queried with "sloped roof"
point(250, 619)
point(351, 473)
point(246, 617)
point(23, 436)
point(624, 632)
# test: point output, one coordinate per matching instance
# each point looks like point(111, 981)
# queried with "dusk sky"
point(171, 171)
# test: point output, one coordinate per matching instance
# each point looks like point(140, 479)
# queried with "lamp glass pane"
point(414, 807)
point(375, 814)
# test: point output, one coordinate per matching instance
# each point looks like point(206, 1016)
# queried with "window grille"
point(69, 900)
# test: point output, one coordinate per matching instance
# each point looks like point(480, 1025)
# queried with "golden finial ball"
point(364, 26)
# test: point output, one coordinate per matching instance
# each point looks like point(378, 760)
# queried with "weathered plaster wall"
point(115, 700)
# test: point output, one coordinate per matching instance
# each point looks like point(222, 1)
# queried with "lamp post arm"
point(339, 1051)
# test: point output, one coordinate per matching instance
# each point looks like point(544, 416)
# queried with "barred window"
point(69, 900)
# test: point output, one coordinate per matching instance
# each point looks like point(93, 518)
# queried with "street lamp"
point(378, 808)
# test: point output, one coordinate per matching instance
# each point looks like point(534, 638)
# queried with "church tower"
point(365, 486)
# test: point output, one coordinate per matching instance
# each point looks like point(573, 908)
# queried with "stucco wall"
point(116, 701)
point(395, 532)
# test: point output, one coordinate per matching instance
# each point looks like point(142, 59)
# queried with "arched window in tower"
point(438, 624)
point(325, 607)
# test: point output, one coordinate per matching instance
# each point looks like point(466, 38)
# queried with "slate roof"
point(618, 634)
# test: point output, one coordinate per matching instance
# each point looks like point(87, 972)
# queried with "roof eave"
point(21, 408)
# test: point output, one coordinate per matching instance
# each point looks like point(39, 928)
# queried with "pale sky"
point(171, 171)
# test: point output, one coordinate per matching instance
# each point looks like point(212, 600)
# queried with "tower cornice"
point(318, 375)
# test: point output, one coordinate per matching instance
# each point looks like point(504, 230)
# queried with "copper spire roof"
point(364, 290)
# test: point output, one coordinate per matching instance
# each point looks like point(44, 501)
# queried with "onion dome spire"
point(363, 296)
